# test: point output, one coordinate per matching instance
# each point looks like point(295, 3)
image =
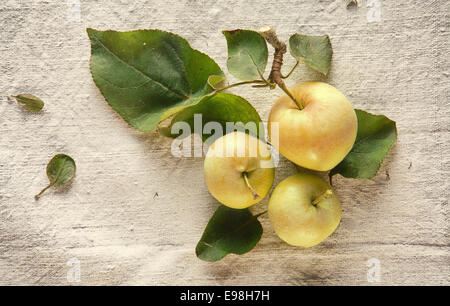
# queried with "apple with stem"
point(239, 170)
point(304, 210)
point(318, 129)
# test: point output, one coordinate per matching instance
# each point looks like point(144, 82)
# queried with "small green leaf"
point(247, 54)
point(30, 102)
point(230, 230)
point(149, 75)
point(222, 108)
point(60, 171)
point(216, 81)
point(315, 51)
point(376, 135)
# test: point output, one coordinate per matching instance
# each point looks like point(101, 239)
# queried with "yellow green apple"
point(239, 170)
point(304, 210)
point(318, 132)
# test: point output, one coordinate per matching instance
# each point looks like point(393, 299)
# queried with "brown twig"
point(276, 77)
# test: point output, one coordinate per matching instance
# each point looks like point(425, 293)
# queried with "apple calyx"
point(328, 193)
point(254, 193)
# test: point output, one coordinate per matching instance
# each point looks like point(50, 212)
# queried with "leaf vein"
point(181, 61)
point(141, 72)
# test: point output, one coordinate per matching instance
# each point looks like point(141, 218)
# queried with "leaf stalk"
point(42, 191)
point(290, 72)
point(239, 84)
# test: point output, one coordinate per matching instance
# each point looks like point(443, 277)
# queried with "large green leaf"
point(315, 51)
point(148, 75)
point(376, 135)
point(247, 54)
point(221, 108)
point(230, 230)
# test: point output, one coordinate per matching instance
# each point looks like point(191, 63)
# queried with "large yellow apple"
point(239, 170)
point(320, 135)
point(304, 210)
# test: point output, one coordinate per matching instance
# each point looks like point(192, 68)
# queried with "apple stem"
point(322, 197)
point(275, 77)
point(286, 90)
point(254, 193)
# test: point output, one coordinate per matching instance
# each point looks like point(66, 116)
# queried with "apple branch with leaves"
point(150, 76)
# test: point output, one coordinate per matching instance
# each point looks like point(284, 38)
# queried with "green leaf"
point(230, 230)
point(30, 102)
point(315, 51)
point(247, 54)
point(60, 171)
point(220, 108)
point(376, 135)
point(148, 75)
point(216, 81)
